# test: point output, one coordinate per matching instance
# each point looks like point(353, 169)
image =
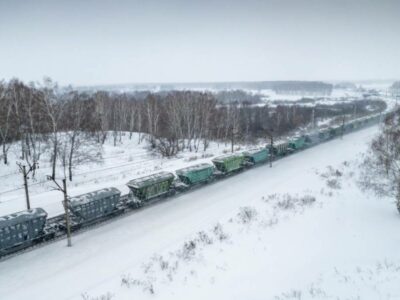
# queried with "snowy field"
point(301, 230)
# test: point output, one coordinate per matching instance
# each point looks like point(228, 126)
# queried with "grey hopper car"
point(94, 205)
point(22, 227)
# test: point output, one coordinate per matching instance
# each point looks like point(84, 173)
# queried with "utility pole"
point(63, 189)
point(232, 139)
point(313, 118)
point(341, 135)
point(25, 174)
point(28, 205)
point(271, 150)
point(271, 146)
point(355, 111)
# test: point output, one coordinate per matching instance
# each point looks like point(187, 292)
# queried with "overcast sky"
point(83, 42)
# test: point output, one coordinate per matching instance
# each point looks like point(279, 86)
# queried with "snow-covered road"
point(100, 256)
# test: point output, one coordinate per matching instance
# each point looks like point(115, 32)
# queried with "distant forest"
point(292, 87)
point(67, 123)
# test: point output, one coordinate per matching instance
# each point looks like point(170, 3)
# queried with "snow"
point(302, 227)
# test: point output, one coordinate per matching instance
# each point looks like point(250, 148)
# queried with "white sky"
point(111, 41)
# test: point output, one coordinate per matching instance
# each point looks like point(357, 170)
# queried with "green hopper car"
point(348, 127)
point(152, 186)
point(334, 132)
point(256, 156)
point(324, 134)
point(311, 139)
point(229, 163)
point(196, 174)
point(298, 142)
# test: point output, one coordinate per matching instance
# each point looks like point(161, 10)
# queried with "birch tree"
point(5, 122)
point(52, 107)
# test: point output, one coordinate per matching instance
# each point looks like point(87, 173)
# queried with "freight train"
point(27, 228)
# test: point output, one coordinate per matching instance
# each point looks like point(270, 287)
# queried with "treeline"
point(72, 126)
point(302, 87)
point(395, 88)
point(44, 119)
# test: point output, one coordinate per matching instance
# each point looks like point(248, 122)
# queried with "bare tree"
point(103, 115)
point(34, 127)
point(5, 121)
point(232, 123)
point(53, 109)
point(381, 167)
point(153, 113)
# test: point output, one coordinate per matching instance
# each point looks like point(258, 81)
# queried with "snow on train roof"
point(93, 196)
point(149, 180)
point(22, 217)
point(254, 151)
point(281, 142)
point(222, 158)
point(194, 168)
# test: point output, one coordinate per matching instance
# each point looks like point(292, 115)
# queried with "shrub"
point(246, 214)
point(219, 232)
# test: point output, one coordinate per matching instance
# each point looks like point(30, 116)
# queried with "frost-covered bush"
point(333, 184)
point(129, 282)
point(107, 296)
point(363, 282)
point(164, 264)
point(204, 238)
point(219, 232)
point(308, 200)
point(331, 172)
point(188, 250)
point(292, 295)
point(288, 202)
point(246, 214)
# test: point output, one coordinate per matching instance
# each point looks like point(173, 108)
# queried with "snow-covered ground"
point(300, 230)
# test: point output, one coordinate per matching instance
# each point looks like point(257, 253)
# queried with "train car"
point(280, 148)
point(196, 174)
point(357, 124)
point(145, 188)
point(92, 206)
point(256, 156)
point(334, 131)
point(229, 163)
point(297, 142)
point(348, 127)
point(22, 229)
point(311, 139)
point(323, 134)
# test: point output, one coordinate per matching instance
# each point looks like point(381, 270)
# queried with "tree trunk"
point(22, 148)
point(54, 162)
point(5, 159)
point(398, 198)
point(232, 141)
point(71, 155)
